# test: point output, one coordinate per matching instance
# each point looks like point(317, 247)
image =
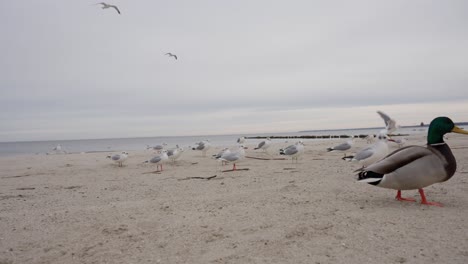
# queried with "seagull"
point(159, 160)
point(341, 147)
point(241, 140)
point(416, 167)
point(264, 144)
point(222, 152)
point(158, 147)
point(373, 153)
point(203, 146)
point(293, 150)
point(119, 158)
point(175, 153)
point(233, 156)
point(369, 139)
point(172, 55)
point(105, 6)
point(390, 124)
point(400, 141)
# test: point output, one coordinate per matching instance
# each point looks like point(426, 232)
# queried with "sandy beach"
point(82, 208)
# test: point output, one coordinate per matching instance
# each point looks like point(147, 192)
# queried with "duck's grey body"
point(412, 167)
point(416, 167)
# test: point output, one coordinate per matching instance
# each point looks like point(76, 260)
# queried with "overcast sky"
point(71, 70)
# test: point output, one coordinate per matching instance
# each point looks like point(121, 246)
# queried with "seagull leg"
point(399, 198)
point(234, 167)
point(424, 201)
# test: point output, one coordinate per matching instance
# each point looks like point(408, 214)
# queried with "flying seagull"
point(390, 123)
point(172, 55)
point(104, 6)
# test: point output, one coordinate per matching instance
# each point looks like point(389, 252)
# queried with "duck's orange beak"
point(459, 130)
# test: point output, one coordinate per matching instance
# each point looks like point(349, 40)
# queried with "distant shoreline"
point(321, 136)
point(369, 128)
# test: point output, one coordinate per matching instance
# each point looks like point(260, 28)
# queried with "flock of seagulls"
point(407, 168)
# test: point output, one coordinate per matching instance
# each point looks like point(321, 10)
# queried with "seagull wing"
point(116, 8)
point(385, 117)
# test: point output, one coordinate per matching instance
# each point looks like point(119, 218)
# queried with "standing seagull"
point(373, 153)
point(294, 150)
point(105, 6)
point(119, 158)
point(203, 146)
point(264, 144)
point(342, 147)
point(172, 55)
point(159, 160)
point(233, 157)
point(175, 153)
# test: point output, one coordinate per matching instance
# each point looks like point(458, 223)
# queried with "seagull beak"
point(459, 130)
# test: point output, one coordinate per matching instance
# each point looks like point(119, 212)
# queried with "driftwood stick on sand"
point(236, 170)
point(265, 158)
point(201, 178)
point(154, 172)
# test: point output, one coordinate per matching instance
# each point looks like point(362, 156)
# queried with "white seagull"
point(390, 123)
point(175, 153)
point(158, 148)
point(222, 152)
point(400, 141)
point(342, 147)
point(233, 156)
point(203, 146)
point(373, 153)
point(105, 6)
point(293, 150)
point(159, 160)
point(172, 55)
point(264, 144)
point(119, 158)
point(241, 140)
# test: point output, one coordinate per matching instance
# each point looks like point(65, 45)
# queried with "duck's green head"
point(441, 126)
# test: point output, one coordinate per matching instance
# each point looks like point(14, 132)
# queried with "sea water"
point(141, 143)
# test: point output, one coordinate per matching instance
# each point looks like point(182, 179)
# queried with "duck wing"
point(408, 168)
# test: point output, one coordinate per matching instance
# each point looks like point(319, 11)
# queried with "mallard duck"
point(416, 167)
